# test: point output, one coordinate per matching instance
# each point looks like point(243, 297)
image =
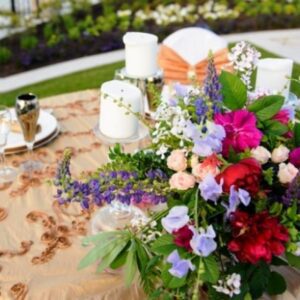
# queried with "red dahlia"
point(257, 237)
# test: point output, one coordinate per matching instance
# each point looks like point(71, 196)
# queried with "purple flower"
point(181, 90)
point(180, 267)
point(191, 131)
point(235, 198)
point(176, 218)
point(203, 243)
point(173, 102)
point(201, 109)
point(210, 189)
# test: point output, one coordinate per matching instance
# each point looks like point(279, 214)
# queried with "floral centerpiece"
point(225, 162)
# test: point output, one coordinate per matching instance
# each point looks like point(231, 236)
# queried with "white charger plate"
point(49, 128)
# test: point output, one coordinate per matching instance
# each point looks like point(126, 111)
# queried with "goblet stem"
point(2, 158)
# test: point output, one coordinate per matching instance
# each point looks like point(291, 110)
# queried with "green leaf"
point(97, 253)
point(131, 264)
point(120, 259)
point(100, 237)
point(171, 281)
point(275, 128)
point(297, 134)
point(277, 284)
point(234, 91)
point(265, 108)
point(142, 256)
point(293, 260)
point(259, 280)
point(111, 256)
point(211, 273)
point(164, 245)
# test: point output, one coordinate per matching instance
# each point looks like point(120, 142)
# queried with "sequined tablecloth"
point(40, 243)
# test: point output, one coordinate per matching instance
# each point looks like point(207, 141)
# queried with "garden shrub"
point(5, 55)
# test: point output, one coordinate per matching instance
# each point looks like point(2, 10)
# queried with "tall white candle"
point(115, 122)
point(140, 54)
point(273, 73)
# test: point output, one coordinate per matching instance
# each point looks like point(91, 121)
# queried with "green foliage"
point(169, 280)
point(277, 284)
point(234, 91)
point(268, 175)
point(297, 134)
point(164, 245)
point(265, 108)
point(5, 55)
point(293, 260)
point(211, 267)
point(28, 42)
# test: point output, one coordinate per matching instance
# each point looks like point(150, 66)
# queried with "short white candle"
point(273, 73)
point(140, 54)
point(115, 122)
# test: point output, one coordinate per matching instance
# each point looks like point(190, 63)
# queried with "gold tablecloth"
point(40, 243)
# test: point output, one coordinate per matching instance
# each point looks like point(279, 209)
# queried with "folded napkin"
point(183, 54)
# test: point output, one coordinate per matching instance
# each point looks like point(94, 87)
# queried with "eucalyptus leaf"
point(111, 256)
point(234, 91)
point(131, 264)
point(97, 253)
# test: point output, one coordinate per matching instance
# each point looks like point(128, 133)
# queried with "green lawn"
point(93, 78)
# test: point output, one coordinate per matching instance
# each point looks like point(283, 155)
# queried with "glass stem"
point(30, 150)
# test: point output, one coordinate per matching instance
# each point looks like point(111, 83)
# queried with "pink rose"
point(295, 157)
point(208, 166)
point(182, 181)
point(283, 116)
point(177, 161)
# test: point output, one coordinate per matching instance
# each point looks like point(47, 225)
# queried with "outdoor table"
point(40, 244)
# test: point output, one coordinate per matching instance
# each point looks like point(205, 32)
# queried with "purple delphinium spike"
point(293, 191)
point(212, 86)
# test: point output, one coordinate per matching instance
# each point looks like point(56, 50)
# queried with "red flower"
point(283, 116)
point(245, 174)
point(182, 237)
point(295, 157)
point(257, 237)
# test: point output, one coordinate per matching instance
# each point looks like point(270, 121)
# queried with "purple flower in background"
point(181, 90)
point(176, 218)
point(203, 243)
point(173, 102)
point(212, 87)
point(293, 191)
point(180, 267)
point(210, 189)
point(191, 131)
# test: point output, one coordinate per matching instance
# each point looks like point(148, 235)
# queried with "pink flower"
point(208, 166)
point(241, 130)
point(177, 161)
point(295, 157)
point(283, 116)
point(182, 181)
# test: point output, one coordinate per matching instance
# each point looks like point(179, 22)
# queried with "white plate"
point(48, 124)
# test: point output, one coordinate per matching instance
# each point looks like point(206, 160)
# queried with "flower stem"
point(196, 209)
point(198, 283)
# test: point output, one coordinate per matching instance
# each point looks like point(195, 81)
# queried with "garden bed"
point(99, 29)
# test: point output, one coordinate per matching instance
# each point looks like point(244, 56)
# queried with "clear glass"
point(7, 174)
point(27, 111)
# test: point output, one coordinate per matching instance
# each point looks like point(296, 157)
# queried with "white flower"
point(162, 151)
point(287, 172)
point(261, 154)
point(230, 286)
point(124, 13)
point(280, 154)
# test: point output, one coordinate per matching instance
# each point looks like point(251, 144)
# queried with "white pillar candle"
point(273, 74)
point(140, 54)
point(115, 122)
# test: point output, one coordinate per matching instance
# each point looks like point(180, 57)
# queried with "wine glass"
point(7, 174)
point(28, 110)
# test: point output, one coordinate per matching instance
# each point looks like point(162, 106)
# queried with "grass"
point(93, 78)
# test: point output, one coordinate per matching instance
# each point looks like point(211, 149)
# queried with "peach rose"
point(208, 166)
point(280, 154)
point(182, 181)
point(177, 161)
point(287, 172)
